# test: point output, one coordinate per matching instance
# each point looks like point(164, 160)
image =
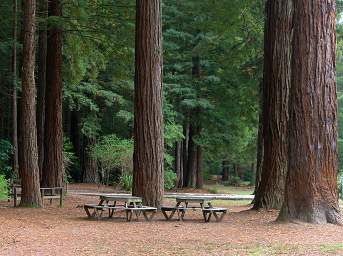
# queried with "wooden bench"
point(217, 212)
point(46, 193)
point(166, 209)
point(97, 211)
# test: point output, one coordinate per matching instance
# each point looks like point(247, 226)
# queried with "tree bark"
point(148, 175)
point(199, 175)
point(53, 137)
point(89, 165)
point(225, 170)
point(179, 164)
point(28, 168)
point(276, 83)
point(42, 47)
point(185, 153)
point(192, 158)
point(14, 90)
point(311, 192)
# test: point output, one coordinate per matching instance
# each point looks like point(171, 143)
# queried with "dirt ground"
point(67, 231)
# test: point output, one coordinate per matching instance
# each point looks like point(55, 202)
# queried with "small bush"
point(126, 181)
point(3, 187)
point(213, 191)
point(169, 179)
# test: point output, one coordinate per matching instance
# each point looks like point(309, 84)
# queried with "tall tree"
point(148, 175)
point(276, 83)
point(311, 191)
point(28, 168)
point(53, 137)
point(42, 50)
point(14, 90)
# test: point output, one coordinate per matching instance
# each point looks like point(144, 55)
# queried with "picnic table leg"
point(148, 218)
point(173, 212)
point(61, 197)
point(128, 215)
point(15, 196)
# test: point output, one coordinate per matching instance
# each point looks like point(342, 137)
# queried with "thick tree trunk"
point(89, 165)
point(277, 69)
point(42, 50)
point(53, 137)
point(179, 164)
point(14, 90)
point(28, 168)
point(148, 172)
point(311, 192)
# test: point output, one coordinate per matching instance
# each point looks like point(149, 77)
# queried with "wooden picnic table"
point(184, 203)
point(129, 204)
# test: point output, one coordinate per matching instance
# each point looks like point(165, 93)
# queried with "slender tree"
point(311, 191)
point(14, 90)
point(28, 168)
point(53, 137)
point(276, 83)
point(148, 122)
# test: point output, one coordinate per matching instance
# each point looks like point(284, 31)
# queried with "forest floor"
point(67, 231)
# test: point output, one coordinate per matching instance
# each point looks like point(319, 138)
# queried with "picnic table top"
point(124, 198)
point(193, 199)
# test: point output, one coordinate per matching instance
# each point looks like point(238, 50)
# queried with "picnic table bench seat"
point(217, 212)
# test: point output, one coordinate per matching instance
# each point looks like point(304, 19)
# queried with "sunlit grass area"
point(221, 189)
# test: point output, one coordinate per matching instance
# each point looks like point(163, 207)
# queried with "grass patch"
point(221, 189)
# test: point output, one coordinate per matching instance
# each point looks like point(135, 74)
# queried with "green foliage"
point(3, 187)
point(126, 181)
point(69, 158)
point(233, 181)
point(6, 151)
point(169, 179)
point(113, 152)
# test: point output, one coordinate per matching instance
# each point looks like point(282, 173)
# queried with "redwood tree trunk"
point(89, 165)
point(277, 78)
point(28, 168)
point(179, 164)
point(148, 175)
point(311, 192)
point(53, 137)
point(185, 153)
point(199, 175)
point(42, 49)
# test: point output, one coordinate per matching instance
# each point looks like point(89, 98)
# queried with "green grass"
point(221, 189)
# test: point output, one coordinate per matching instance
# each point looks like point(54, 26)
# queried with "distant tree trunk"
point(53, 158)
point(179, 163)
point(75, 132)
point(311, 192)
point(89, 164)
point(14, 91)
point(225, 170)
point(199, 174)
point(185, 153)
point(192, 158)
point(148, 172)
point(42, 51)
point(276, 83)
point(28, 168)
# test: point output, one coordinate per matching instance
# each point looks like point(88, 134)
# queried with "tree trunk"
point(311, 192)
point(199, 174)
point(179, 163)
point(89, 165)
point(185, 154)
point(192, 158)
point(42, 48)
point(225, 170)
point(53, 137)
point(276, 83)
point(28, 168)
point(148, 172)
point(14, 91)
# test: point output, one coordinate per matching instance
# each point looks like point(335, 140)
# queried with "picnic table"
point(114, 203)
point(204, 203)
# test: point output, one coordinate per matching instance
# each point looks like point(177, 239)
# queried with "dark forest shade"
point(148, 175)
point(311, 191)
point(276, 83)
point(53, 138)
point(28, 169)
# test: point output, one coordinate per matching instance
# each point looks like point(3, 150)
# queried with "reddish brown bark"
point(148, 127)
point(277, 67)
point(179, 164)
point(311, 191)
point(89, 165)
point(53, 137)
point(42, 49)
point(28, 168)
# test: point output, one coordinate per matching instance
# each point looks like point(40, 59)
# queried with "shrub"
point(126, 181)
point(6, 151)
point(3, 187)
point(169, 179)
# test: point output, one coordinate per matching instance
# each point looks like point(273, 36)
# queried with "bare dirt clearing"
point(67, 231)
